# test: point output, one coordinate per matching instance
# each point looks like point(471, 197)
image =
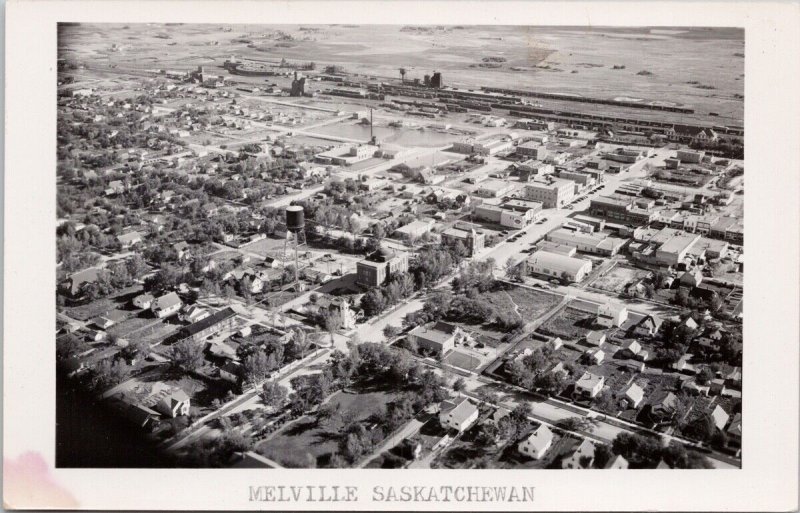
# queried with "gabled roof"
point(540, 438)
point(635, 393)
point(720, 417)
point(166, 301)
point(461, 410)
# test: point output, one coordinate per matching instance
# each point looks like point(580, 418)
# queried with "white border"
point(768, 480)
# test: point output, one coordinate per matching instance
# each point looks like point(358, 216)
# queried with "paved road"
point(556, 217)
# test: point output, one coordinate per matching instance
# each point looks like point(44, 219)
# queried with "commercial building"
point(533, 150)
point(508, 217)
point(594, 243)
point(622, 209)
point(374, 270)
point(493, 188)
point(554, 193)
point(690, 156)
point(414, 229)
point(531, 168)
point(558, 266)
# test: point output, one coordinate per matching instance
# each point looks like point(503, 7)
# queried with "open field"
point(305, 443)
point(569, 323)
point(688, 66)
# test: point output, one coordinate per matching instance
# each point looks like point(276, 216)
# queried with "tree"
point(332, 321)
point(255, 368)
point(514, 270)
point(301, 342)
point(575, 424)
point(459, 385)
point(701, 428)
point(602, 455)
point(705, 375)
point(187, 355)
point(274, 394)
point(641, 451)
point(403, 75)
point(390, 331)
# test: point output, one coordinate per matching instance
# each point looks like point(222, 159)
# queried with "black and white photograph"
point(326, 262)
point(361, 246)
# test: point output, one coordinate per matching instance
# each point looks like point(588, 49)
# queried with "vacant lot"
point(618, 277)
point(533, 303)
point(131, 325)
point(307, 443)
point(569, 323)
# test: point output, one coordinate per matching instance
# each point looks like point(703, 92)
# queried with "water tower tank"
point(295, 218)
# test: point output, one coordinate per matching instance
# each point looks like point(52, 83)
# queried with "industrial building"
point(554, 265)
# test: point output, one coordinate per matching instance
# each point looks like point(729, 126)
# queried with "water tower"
point(295, 237)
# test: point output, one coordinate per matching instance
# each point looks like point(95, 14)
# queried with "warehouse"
point(559, 266)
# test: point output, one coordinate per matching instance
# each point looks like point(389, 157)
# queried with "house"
point(632, 397)
point(182, 249)
point(103, 322)
point(581, 458)
point(143, 300)
point(630, 349)
point(537, 443)
point(720, 417)
point(611, 315)
point(556, 343)
point(129, 239)
point(595, 338)
point(193, 313)
point(95, 335)
point(72, 285)
point(648, 326)
point(458, 414)
point(664, 406)
point(173, 403)
point(690, 323)
point(210, 325)
point(589, 385)
point(617, 463)
point(166, 305)
point(595, 355)
point(438, 339)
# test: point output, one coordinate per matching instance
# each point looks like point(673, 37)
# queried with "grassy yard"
point(529, 304)
point(569, 323)
point(307, 444)
point(130, 325)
